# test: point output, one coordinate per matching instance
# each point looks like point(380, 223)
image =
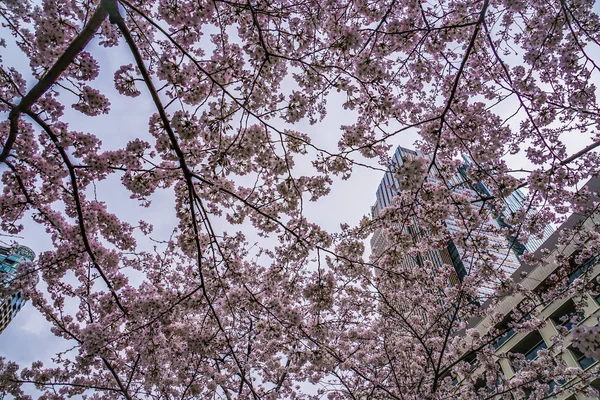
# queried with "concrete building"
point(561, 313)
point(10, 259)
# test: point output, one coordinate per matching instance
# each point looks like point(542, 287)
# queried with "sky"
point(28, 337)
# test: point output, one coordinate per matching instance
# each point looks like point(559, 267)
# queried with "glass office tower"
point(10, 260)
point(505, 249)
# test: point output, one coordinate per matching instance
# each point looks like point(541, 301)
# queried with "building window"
point(551, 388)
point(529, 347)
point(596, 385)
point(472, 360)
point(565, 314)
point(480, 383)
point(533, 352)
point(583, 361)
point(456, 261)
point(582, 268)
point(509, 331)
point(552, 385)
point(502, 339)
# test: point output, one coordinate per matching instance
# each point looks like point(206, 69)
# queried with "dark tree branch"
point(78, 205)
point(52, 76)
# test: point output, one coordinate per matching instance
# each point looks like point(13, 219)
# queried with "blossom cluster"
point(187, 261)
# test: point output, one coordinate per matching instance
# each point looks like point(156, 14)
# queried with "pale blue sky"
point(28, 337)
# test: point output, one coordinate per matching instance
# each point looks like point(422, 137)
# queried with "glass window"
point(582, 268)
point(563, 316)
point(533, 352)
point(504, 326)
point(554, 383)
point(472, 360)
point(529, 347)
point(456, 260)
point(596, 384)
point(583, 361)
point(502, 339)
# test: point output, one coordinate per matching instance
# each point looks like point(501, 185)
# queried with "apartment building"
point(561, 313)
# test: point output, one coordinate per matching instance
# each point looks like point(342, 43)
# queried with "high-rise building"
point(387, 190)
point(10, 259)
point(515, 202)
point(504, 249)
point(512, 203)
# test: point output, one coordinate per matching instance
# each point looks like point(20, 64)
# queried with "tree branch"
point(52, 76)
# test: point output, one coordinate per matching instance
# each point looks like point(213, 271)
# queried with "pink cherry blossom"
point(237, 289)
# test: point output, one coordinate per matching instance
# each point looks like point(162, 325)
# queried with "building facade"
point(10, 259)
point(561, 314)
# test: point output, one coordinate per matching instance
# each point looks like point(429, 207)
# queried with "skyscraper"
point(513, 203)
point(390, 187)
point(10, 259)
point(504, 249)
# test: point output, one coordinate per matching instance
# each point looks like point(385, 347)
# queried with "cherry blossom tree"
point(233, 86)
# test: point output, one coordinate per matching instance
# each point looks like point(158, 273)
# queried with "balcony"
point(504, 338)
point(533, 352)
point(530, 346)
point(567, 315)
point(583, 361)
point(582, 269)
